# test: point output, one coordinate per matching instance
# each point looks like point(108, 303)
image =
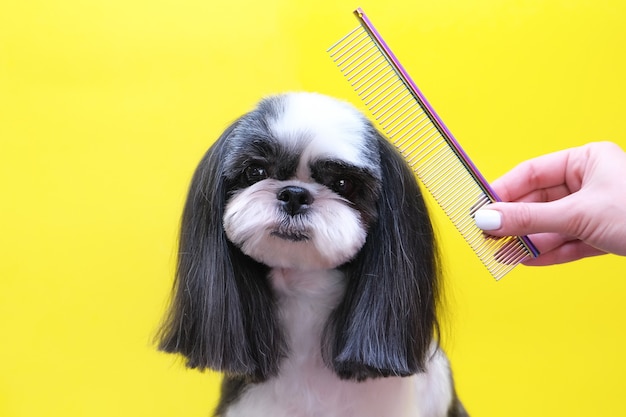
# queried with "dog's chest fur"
point(305, 387)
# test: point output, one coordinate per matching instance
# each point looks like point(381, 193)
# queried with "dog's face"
point(303, 177)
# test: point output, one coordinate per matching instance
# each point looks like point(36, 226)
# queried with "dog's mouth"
point(292, 229)
point(292, 236)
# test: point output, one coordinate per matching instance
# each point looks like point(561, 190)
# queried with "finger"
point(543, 172)
point(546, 242)
point(519, 219)
point(568, 252)
point(545, 195)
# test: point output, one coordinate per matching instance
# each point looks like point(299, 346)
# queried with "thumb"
point(518, 219)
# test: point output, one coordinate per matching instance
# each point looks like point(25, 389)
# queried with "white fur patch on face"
point(329, 232)
point(321, 127)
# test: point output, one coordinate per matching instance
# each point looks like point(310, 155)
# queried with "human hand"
point(572, 203)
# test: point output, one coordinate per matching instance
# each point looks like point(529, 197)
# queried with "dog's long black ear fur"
point(222, 313)
point(387, 320)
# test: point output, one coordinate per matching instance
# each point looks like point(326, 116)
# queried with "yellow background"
point(106, 106)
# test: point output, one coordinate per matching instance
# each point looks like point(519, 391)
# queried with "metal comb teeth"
point(410, 123)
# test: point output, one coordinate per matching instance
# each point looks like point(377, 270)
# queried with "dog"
point(308, 271)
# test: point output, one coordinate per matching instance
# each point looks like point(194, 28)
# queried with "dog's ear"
point(387, 320)
point(222, 312)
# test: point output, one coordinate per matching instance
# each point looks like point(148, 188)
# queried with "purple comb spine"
point(436, 119)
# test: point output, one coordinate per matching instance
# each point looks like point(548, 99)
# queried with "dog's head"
point(304, 182)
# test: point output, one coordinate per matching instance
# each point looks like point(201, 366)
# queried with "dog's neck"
point(305, 300)
point(309, 285)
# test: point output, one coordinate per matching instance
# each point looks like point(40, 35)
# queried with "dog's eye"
point(255, 173)
point(343, 187)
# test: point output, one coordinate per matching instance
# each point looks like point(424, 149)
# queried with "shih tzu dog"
point(307, 270)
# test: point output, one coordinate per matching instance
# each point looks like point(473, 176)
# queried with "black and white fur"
point(308, 272)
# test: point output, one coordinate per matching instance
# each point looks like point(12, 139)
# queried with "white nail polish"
point(488, 219)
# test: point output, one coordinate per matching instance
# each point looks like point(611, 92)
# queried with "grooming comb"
point(411, 124)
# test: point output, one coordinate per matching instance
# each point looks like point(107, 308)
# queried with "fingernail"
point(488, 219)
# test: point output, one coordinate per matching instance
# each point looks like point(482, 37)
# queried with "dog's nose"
point(294, 200)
